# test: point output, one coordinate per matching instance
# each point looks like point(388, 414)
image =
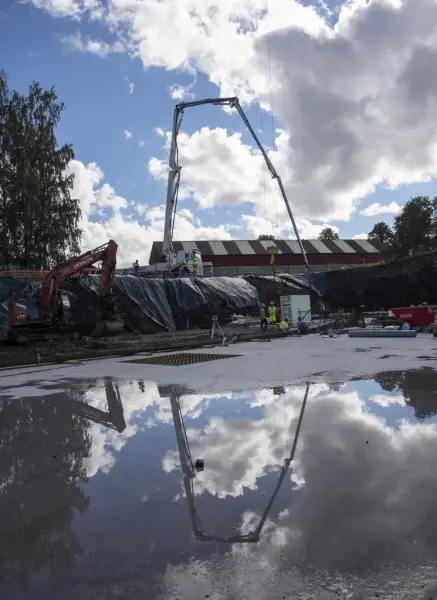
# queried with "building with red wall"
point(239, 257)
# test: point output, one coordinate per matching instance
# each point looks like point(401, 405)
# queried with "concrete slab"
point(290, 360)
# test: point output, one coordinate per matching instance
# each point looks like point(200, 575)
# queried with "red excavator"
point(51, 313)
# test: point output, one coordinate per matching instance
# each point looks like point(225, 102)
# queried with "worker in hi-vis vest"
point(272, 313)
point(283, 325)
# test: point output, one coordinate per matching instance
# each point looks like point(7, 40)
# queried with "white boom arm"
point(174, 173)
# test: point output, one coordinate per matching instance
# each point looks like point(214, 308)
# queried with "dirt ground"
point(123, 341)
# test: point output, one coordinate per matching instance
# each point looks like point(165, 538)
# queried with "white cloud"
point(159, 131)
point(255, 226)
point(355, 98)
point(386, 400)
point(98, 47)
point(380, 209)
point(135, 233)
point(181, 92)
point(360, 236)
point(131, 86)
point(141, 143)
point(127, 134)
point(62, 8)
point(218, 168)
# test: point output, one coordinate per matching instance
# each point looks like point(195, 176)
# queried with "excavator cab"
point(22, 312)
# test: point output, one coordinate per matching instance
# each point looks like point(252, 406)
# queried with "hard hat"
point(272, 303)
point(262, 305)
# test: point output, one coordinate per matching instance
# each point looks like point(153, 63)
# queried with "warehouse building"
point(241, 257)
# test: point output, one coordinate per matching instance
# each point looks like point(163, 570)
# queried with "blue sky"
point(107, 95)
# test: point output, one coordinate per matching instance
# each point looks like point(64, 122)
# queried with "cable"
point(271, 105)
point(261, 121)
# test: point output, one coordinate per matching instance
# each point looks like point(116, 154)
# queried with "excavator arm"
point(23, 313)
point(106, 254)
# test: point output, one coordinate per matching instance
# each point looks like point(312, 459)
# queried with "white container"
point(296, 308)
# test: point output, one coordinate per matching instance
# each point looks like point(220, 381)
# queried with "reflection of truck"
point(50, 313)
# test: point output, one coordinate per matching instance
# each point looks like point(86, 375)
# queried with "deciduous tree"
point(381, 232)
point(39, 219)
point(328, 234)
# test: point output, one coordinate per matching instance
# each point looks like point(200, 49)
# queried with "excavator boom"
point(48, 312)
point(106, 253)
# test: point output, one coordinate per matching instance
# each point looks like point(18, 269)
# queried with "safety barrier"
point(20, 273)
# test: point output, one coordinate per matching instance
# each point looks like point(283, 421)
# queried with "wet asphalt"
point(113, 488)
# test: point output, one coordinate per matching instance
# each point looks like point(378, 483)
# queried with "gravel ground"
point(61, 346)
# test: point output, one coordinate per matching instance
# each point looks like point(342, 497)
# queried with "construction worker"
point(322, 309)
point(185, 269)
point(194, 266)
point(272, 313)
point(262, 316)
point(136, 267)
point(283, 325)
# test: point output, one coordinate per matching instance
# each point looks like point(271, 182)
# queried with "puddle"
point(101, 495)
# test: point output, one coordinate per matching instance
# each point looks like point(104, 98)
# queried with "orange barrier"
point(26, 274)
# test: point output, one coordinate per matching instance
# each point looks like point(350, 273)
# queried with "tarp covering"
point(230, 292)
point(174, 304)
point(148, 305)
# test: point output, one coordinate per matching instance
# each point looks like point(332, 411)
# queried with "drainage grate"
point(178, 360)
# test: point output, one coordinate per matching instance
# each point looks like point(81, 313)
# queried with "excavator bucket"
point(108, 327)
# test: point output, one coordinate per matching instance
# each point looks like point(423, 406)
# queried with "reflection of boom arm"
point(106, 254)
point(174, 174)
point(113, 418)
point(189, 473)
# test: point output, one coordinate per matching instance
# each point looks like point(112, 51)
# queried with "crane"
point(189, 470)
point(173, 258)
point(49, 311)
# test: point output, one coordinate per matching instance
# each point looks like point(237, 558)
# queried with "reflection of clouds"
point(107, 442)
point(239, 451)
point(192, 406)
point(135, 399)
point(386, 400)
point(363, 519)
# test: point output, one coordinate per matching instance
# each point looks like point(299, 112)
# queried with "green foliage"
point(328, 234)
point(39, 220)
point(415, 227)
point(381, 232)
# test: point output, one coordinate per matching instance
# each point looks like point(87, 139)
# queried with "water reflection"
point(42, 451)
point(91, 479)
point(417, 387)
point(189, 468)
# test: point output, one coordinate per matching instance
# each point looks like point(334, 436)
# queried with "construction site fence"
point(23, 274)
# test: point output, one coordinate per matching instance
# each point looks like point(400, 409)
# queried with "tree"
point(42, 468)
point(39, 220)
point(381, 232)
point(414, 228)
point(328, 234)
point(266, 236)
